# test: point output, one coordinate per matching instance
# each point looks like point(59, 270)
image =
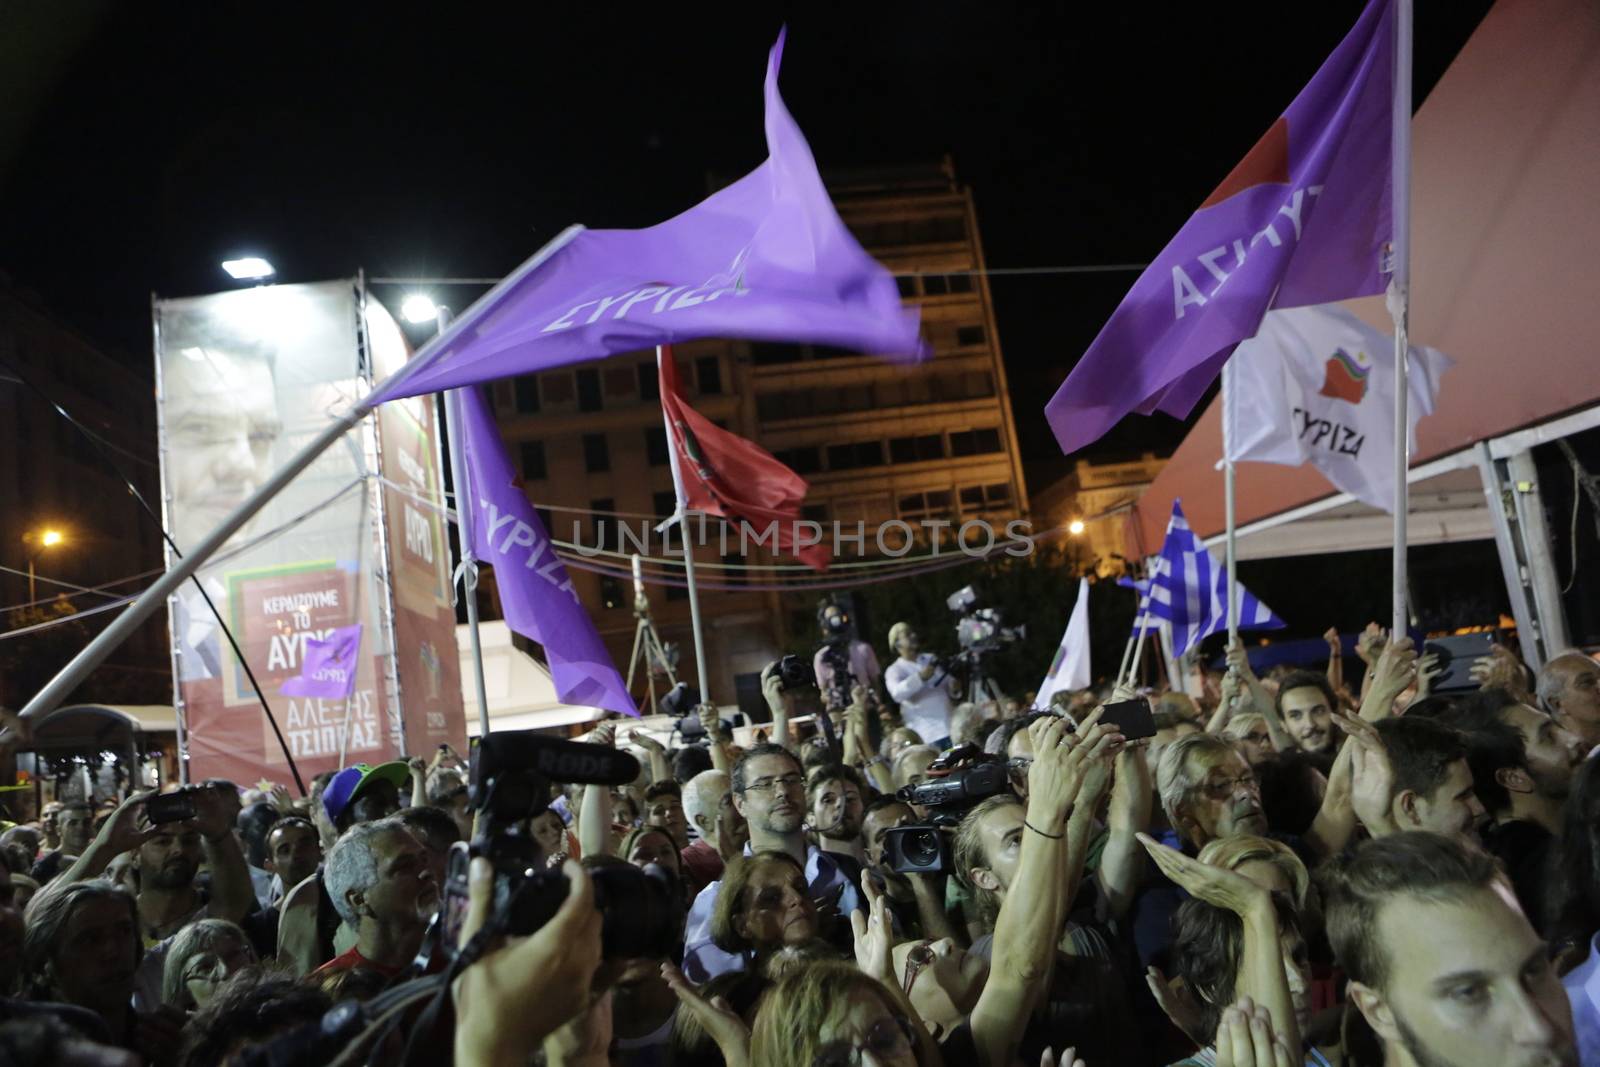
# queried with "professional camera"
point(980, 630)
point(956, 782)
point(794, 672)
point(512, 773)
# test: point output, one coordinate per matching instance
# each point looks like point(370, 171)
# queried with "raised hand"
point(716, 1016)
point(1177, 1002)
point(1499, 668)
point(1396, 667)
point(1217, 886)
point(648, 743)
point(212, 813)
point(1428, 669)
point(1245, 1039)
point(1371, 775)
point(1239, 660)
point(1371, 642)
point(604, 734)
point(874, 935)
point(710, 719)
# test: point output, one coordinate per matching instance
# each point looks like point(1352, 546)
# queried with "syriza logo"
point(1345, 376)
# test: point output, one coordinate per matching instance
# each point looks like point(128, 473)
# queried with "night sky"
point(143, 143)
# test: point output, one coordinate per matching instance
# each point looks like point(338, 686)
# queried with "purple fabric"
point(1304, 219)
point(327, 666)
point(535, 592)
point(764, 259)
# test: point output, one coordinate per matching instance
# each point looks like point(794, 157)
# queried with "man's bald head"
point(1569, 689)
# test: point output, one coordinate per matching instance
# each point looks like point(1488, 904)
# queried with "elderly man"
point(708, 805)
point(1442, 963)
point(383, 887)
point(1569, 689)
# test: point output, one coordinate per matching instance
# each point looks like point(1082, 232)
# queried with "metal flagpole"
point(1127, 654)
point(1227, 502)
point(153, 598)
point(1399, 297)
point(451, 400)
point(688, 550)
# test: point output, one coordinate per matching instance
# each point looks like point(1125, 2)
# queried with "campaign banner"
point(427, 663)
point(244, 379)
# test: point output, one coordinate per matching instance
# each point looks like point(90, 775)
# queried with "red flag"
point(720, 473)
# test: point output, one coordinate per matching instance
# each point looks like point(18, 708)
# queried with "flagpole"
point(1138, 648)
point(1227, 502)
point(688, 551)
point(1127, 654)
point(450, 401)
point(1399, 299)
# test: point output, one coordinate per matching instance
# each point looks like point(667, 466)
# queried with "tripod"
point(647, 642)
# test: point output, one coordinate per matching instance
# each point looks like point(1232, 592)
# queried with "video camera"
point(957, 781)
point(512, 774)
point(980, 630)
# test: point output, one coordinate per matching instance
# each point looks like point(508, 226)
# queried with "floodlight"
point(419, 310)
point(248, 269)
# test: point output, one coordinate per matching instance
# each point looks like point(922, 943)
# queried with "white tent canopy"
point(522, 695)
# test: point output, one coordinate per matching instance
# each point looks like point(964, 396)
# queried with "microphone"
point(556, 760)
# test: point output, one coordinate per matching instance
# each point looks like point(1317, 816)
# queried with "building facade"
point(932, 445)
point(53, 478)
point(1100, 496)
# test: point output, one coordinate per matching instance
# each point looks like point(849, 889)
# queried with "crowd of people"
point(1296, 868)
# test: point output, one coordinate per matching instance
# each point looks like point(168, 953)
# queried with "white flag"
point(1316, 384)
point(1070, 669)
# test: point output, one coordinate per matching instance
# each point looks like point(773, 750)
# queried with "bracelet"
point(1041, 833)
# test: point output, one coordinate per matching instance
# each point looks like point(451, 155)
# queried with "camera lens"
point(922, 847)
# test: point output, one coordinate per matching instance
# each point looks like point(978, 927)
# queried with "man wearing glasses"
point(769, 790)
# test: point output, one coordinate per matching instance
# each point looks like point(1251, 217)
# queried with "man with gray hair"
point(721, 830)
point(383, 887)
point(1569, 689)
point(1208, 790)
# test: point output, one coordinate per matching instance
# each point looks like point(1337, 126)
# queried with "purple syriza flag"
point(327, 665)
point(535, 592)
point(1303, 219)
point(764, 259)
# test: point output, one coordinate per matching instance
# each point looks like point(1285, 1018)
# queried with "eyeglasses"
point(920, 956)
point(787, 783)
point(889, 1038)
point(1223, 788)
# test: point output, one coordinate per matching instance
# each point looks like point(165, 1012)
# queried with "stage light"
point(248, 269)
point(1075, 527)
point(419, 310)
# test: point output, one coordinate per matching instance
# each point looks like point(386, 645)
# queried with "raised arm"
point(778, 704)
point(1260, 700)
point(1029, 924)
point(594, 811)
point(1122, 860)
point(1262, 976)
point(711, 721)
point(233, 895)
point(419, 781)
point(660, 769)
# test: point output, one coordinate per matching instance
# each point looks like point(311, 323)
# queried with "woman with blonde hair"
point(1266, 862)
point(1250, 732)
point(827, 1014)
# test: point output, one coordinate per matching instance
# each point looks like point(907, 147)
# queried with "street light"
point(248, 269)
point(1075, 527)
point(418, 309)
point(46, 538)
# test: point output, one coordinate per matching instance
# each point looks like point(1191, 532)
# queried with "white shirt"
point(924, 707)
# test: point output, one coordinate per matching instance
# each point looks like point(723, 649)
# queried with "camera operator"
point(842, 648)
point(915, 899)
point(922, 688)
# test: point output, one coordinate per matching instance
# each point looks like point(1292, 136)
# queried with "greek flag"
point(1189, 589)
point(1142, 617)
